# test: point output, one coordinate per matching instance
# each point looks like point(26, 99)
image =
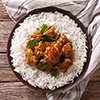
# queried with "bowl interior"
point(50, 9)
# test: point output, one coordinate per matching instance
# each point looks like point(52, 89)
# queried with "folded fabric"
point(88, 12)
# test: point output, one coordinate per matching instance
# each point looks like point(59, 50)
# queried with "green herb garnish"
point(54, 72)
point(41, 66)
point(59, 42)
point(48, 28)
point(47, 39)
point(42, 28)
point(58, 60)
point(32, 43)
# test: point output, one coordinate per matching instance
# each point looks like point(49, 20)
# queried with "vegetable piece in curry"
point(48, 51)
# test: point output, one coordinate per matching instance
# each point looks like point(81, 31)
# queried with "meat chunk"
point(28, 52)
point(64, 66)
point(44, 62)
point(53, 52)
point(58, 50)
point(50, 33)
point(67, 50)
point(50, 54)
point(38, 50)
point(40, 47)
point(36, 35)
point(30, 58)
point(63, 39)
point(47, 43)
point(57, 46)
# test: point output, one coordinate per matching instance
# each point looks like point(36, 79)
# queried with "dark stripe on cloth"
point(63, 96)
point(94, 17)
point(51, 94)
point(77, 90)
point(80, 12)
point(79, 2)
point(88, 10)
point(59, 96)
point(64, 4)
point(19, 8)
point(23, 7)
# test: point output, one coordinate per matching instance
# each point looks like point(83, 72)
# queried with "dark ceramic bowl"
point(50, 9)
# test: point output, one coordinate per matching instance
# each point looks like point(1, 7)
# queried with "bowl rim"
point(64, 12)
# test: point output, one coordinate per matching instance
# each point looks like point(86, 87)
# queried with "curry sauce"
point(47, 51)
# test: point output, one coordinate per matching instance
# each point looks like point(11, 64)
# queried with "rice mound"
point(62, 25)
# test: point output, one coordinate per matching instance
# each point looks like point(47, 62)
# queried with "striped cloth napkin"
point(88, 12)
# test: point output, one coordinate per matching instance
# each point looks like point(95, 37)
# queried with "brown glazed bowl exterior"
point(50, 9)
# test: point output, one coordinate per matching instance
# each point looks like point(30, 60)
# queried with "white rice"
point(62, 25)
